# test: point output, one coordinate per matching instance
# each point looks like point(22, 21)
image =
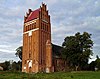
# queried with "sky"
point(67, 18)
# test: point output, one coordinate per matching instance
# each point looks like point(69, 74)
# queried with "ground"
point(55, 75)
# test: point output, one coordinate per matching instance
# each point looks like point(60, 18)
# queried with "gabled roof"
point(33, 15)
point(57, 50)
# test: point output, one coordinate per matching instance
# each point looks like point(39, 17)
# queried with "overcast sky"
point(67, 18)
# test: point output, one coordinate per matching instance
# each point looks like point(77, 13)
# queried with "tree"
point(16, 66)
point(97, 61)
point(19, 52)
point(5, 65)
point(77, 49)
point(92, 66)
point(95, 65)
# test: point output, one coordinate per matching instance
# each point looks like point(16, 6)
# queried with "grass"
point(55, 75)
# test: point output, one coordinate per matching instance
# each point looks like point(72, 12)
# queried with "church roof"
point(32, 15)
point(57, 50)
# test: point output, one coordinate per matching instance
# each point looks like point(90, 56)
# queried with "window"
point(43, 26)
point(29, 55)
point(46, 27)
point(33, 61)
point(25, 62)
point(31, 27)
point(28, 28)
point(34, 25)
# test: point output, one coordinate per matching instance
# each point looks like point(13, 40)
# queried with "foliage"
point(56, 75)
point(19, 52)
point(92, 66)
point(77, 49)
point(97, 61)
point(15, 66)
point(5, 65)
point(95, 65)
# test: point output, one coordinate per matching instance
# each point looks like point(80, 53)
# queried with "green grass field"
point(56, 75)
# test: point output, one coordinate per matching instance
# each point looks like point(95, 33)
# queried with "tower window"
point(43, 26)
point(29, 55)
point(31, 27)
point(26, 28)
point(35, 25)
point(47, 28)
point(34, 61)
point(25, 62)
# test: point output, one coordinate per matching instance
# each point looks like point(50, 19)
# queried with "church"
point(39, 54)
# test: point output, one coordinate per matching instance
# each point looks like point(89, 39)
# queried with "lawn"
point(55, 75)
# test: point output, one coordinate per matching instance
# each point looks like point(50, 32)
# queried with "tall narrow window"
point(29, 55)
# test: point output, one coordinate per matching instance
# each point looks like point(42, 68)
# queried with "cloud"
point(7, 51)
point(67, 18)
point(71, 16)
point(4, 56)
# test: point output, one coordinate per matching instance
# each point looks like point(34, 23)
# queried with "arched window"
point(31, 27)
point(34, 25)
point(26, 28)
point(43, 26)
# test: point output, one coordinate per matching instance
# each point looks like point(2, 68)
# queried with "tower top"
point(30, 15)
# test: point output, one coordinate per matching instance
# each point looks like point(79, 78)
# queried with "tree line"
point(14, 66)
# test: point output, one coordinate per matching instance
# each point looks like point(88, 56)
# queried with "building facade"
point(37, 47)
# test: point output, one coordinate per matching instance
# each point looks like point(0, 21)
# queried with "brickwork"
point(37, 54)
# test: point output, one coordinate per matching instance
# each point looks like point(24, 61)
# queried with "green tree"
point(19, 65)
point(19, 52)
point(97, 61)
point(16, 66)
point(92, 66)
point(77, 49)
point(5, 65)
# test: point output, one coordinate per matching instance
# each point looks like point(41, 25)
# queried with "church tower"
point(37, 49)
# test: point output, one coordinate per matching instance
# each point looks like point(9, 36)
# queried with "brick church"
point(39, 54)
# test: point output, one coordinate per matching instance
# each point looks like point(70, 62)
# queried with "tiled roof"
point(33, 15)
point(57, 50)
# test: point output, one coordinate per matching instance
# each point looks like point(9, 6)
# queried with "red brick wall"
point(34, 46)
